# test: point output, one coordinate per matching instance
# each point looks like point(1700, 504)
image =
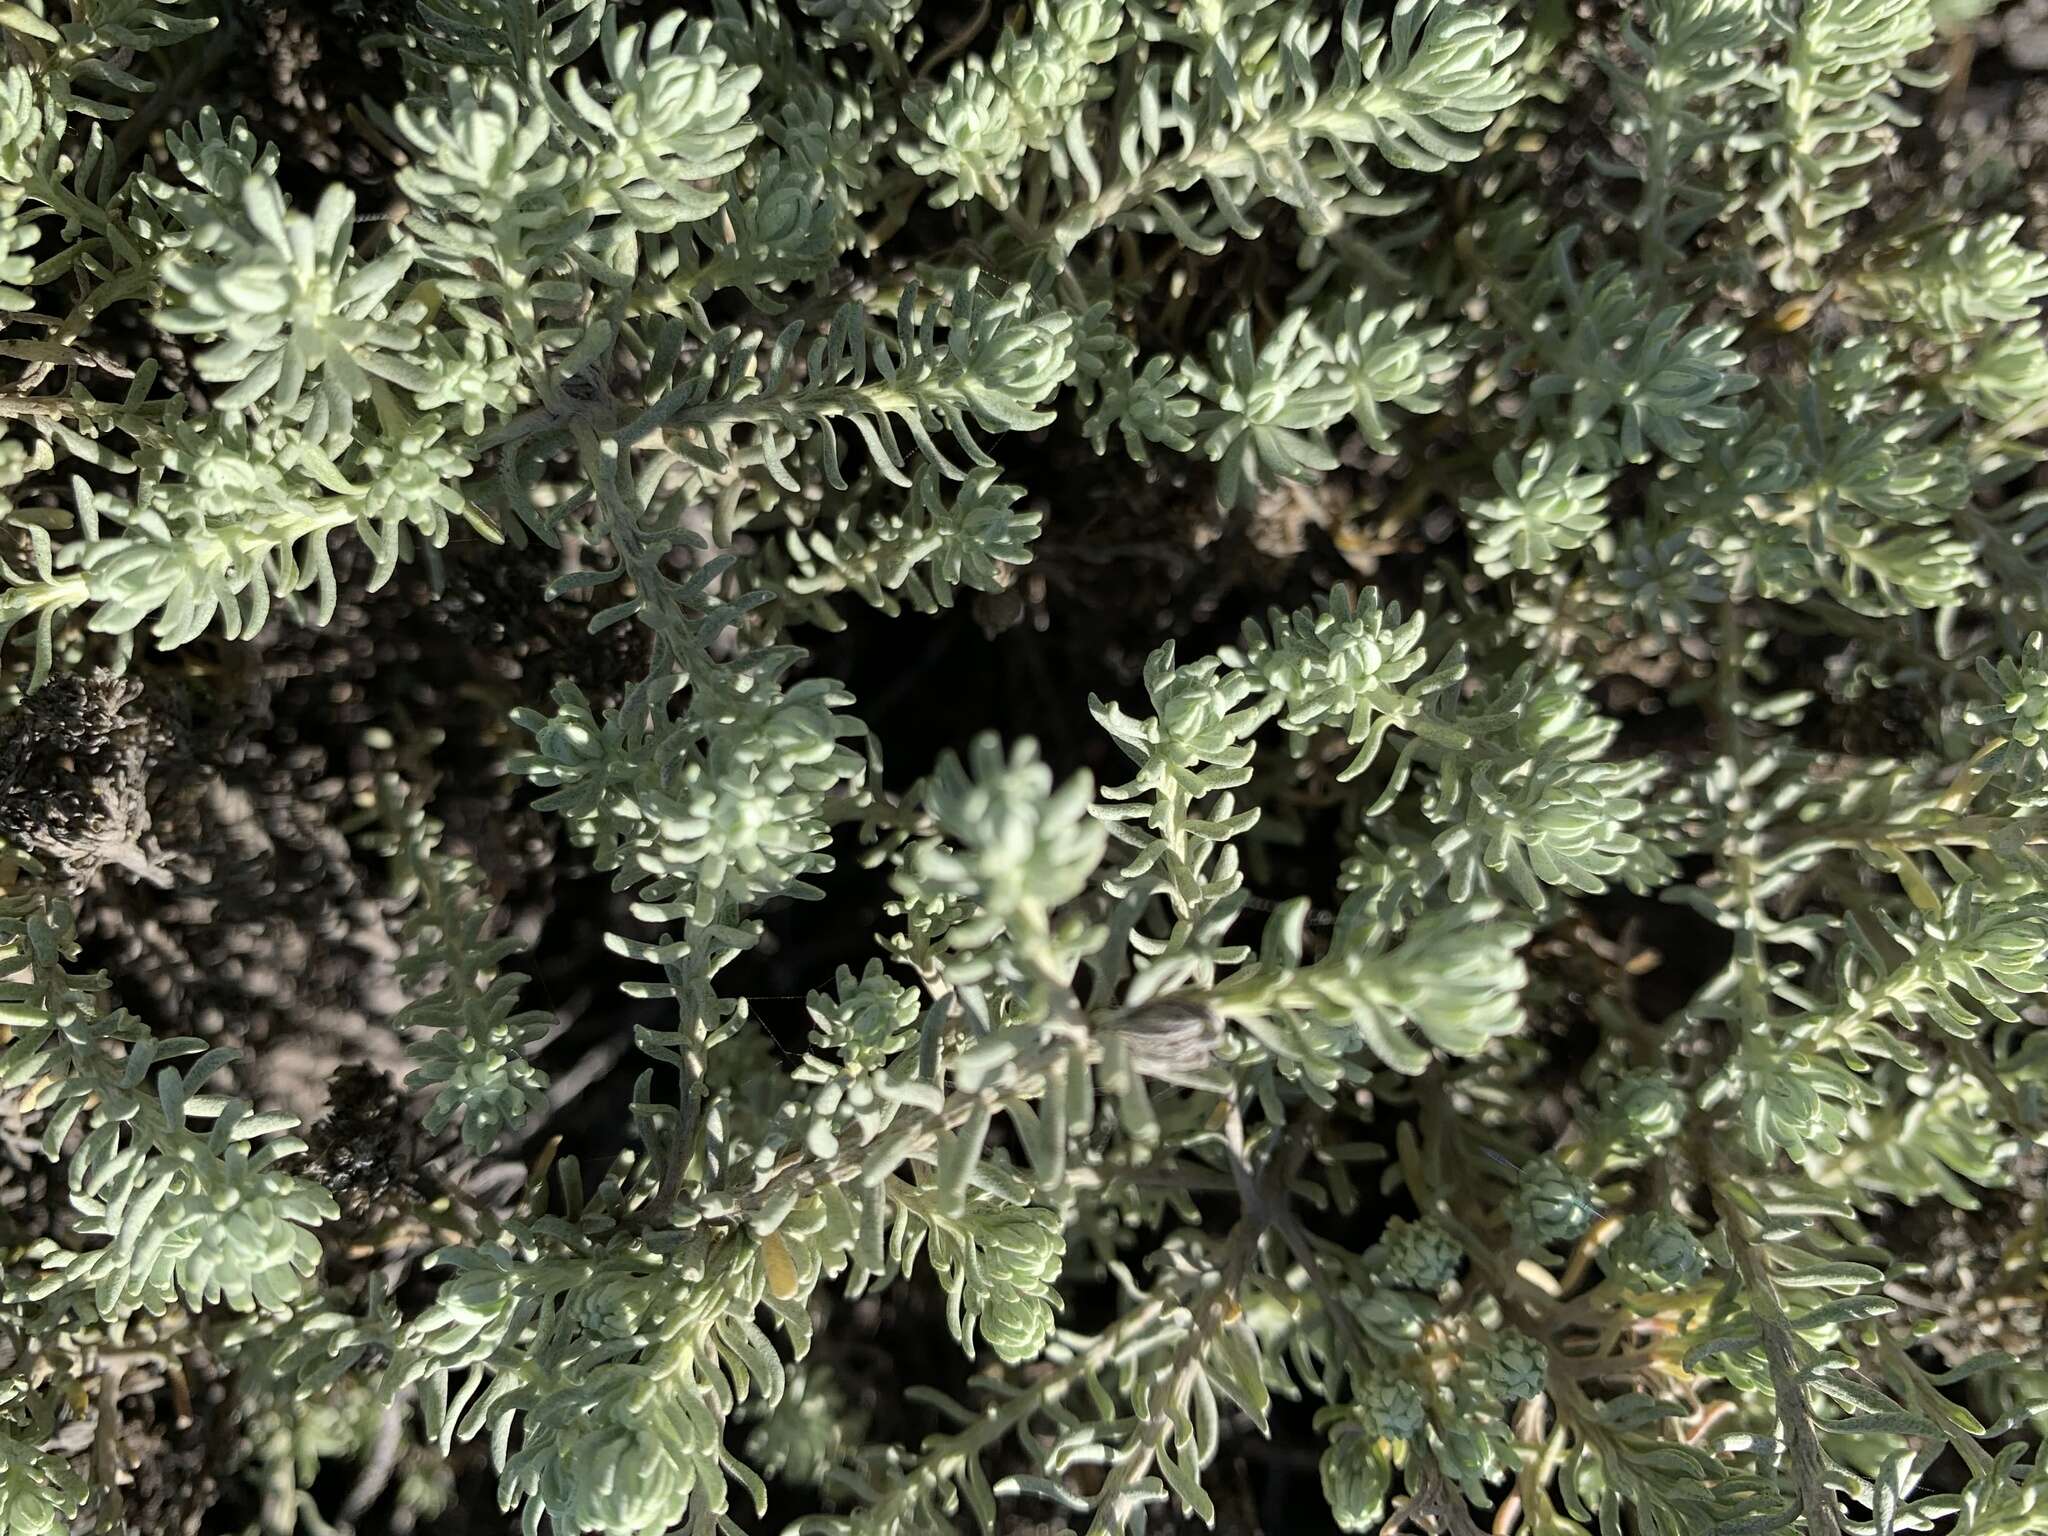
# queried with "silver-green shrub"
point(1410, 1156)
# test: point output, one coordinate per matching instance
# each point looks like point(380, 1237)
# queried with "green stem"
point(1781, 1350)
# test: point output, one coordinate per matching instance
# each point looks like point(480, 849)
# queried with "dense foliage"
point(1526, 1001)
